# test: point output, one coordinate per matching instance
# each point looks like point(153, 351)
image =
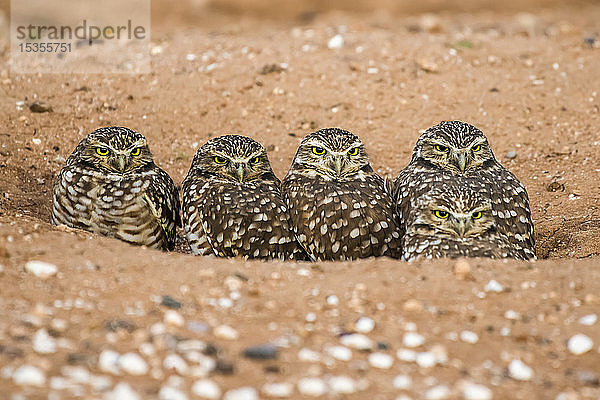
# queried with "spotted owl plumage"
point(232, 203)
point(339, 207)
point(111, 186)
point(453, 217)
point(455, 148)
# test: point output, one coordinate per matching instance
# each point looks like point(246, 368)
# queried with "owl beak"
point(337, 166)
point(239, 172)
point(460, 228)
point(460, 160)
point(121, 162)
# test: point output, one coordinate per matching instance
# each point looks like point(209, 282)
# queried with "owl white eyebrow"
point(317, 144)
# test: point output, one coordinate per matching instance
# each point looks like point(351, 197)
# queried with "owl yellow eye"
point(353, 152)
point(318, 150)
point(441, 148)
point(441, 214)
point(103, 151)
point(477, 215)
point(220, 160)
point(476, 148)
point(136, 151)
point(255, 160)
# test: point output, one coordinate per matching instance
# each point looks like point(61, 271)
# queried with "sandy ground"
point(530, 81)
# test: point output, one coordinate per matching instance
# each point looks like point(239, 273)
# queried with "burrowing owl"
point(461, 149)
point(339, 206)
point(453, 217)
point(112, 187)
point(232, 203)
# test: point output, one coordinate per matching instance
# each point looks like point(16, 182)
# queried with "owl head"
point(454, 146)
point(113, 149)
point(233, 158)
point(333, 153)
point(451, 210)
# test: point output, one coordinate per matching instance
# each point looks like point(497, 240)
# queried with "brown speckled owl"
point(456, 148)
point(452, 217)
point(112, 187)
point(232, 203)
point(339, 207)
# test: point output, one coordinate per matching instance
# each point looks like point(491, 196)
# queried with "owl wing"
point(163, 199)
point(510, 206)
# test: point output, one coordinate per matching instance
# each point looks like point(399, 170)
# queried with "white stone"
point(170, 393)
point(402, 382)
point(175, 362)
point(206, 389)
point(519, 371)
point(313, 387)
point(342, 384)
point(381, 360)
point(122, 392)
point(336, 42)
point(108, 361)
point(28, 375)
point(469, 337)
point(280, 390)
point(412, 339)
point(357, 341)
point(512, 314)
point(172, 317)
point(341, 353)
point(439, 392)
point(41, 269)
point(473, 391)
point(406, 355)
point(588, 320)
point(43, 343)
point(226, 332)
point(309, 355)
point(333, 300)
point(579, 344)
point(364, 325)
point(494, 286)
point(133, 364)
point(243, 393)
point(426, 359)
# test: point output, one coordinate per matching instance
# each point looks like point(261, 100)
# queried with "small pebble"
point(473, 391)
point(308, 355)
point(426, 359)
point(133, 364)
point(41, 269)
point(364, 325)
point(493, 286)
point(336, 42)
point(469, 337)
point(313, 387)
point(122, 392)
point(172, 317)
point(512, 314)
point(519, 371)
point(412, 305)
point(280, 390)
point(342, 384)
point(43, 343)
point(357, 341)
point(341, 353)
point(402, 382)
point(381, 360)
point(588, 320)
point(439, 392)
point(513, 154)
point(170, 302)
point(170, 393)
point(226, 332)
point(261, 352)
point(333, 300)
point(206, 389)
point(412, 339)
point(174, 362)
point(108, 361)
point(28, 375)
point(406, 355)
point(580, 344)
point(243, 393)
